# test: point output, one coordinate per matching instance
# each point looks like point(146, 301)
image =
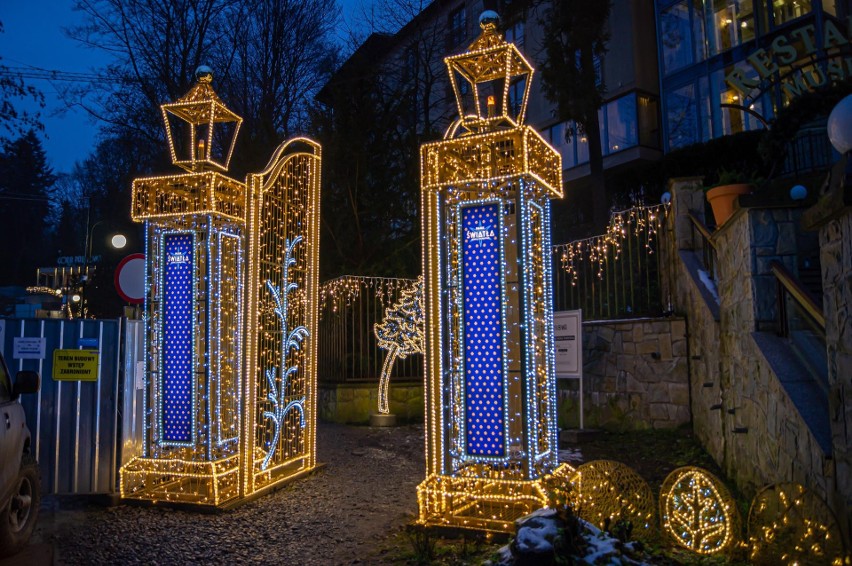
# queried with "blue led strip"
point(485, 387)
point(177, 337)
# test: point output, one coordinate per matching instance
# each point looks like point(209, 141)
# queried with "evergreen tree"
point(26, 182)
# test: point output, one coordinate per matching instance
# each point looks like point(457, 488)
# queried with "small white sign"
point(568, 341)
point(28, 348)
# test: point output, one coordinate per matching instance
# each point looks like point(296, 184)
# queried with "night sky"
point(33, 37)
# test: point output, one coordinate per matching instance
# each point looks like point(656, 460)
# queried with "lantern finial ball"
point(489, 19)
point(204, 74)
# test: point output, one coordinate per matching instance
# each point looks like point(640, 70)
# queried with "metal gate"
point(82, 430)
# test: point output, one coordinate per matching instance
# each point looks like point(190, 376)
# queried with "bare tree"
point(264, 54)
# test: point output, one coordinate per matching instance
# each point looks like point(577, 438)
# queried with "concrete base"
point(381, 419)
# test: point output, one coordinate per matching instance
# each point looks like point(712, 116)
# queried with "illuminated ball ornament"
point(604, 493)
point(698, 512)
point(798, 192)
point(789, 524)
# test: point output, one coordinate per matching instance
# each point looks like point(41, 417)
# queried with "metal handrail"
point(799, 293)
point(702, 229)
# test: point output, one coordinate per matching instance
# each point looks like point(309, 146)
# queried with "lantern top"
point(212, 126)
point(491, 67)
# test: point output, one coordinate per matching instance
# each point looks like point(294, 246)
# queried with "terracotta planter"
point(722, 200)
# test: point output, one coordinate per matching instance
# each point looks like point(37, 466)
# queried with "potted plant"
point(724, 193)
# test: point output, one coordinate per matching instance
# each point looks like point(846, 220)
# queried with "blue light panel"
point(177, 337)
point(483, 330)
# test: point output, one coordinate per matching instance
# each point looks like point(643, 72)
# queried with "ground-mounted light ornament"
point(610, 495)
point(491, 438)
point(401, 334)
point(201, 387)
point(790, 524)
point(698, 512)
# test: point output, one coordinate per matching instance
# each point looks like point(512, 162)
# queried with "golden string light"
point(230, 389)
point(605, 493)
point(641, 222)
point(489, 386)
point(342, 291)
point(789, 524)
point(698, 512)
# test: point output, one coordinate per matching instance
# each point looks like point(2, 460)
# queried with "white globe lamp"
point(840, 126)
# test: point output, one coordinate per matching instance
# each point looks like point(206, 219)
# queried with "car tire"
point(19, 514)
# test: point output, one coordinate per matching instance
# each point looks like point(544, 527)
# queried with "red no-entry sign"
point(130, 279)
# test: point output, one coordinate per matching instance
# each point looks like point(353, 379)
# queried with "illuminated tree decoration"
point(789, 524)
point(289, 340)
point(490, 387)
point(401, 334)
point(606, 493)
point(698, 512)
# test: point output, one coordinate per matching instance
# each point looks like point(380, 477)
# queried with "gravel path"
point(340, 515)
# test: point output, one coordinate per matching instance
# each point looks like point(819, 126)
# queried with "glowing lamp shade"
point(840, 126)
point(200, 129)
point(118, 241)
point(498, 77)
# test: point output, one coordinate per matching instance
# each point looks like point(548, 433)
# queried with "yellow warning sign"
point(75, 365)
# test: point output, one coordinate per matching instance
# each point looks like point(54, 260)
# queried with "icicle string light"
point(641, 222)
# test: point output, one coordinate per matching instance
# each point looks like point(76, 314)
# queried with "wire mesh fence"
point(350, 306)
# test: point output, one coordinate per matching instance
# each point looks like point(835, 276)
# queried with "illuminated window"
point(732, 23)
point(788, 10)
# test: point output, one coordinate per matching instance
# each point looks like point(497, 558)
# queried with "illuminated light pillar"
point(195, 255)
point(231, 315)
point(491, 436)
point(283, 285)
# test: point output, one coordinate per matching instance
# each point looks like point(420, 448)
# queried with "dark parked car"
point(20, 491)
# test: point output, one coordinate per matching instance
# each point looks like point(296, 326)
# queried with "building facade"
point(728, 66)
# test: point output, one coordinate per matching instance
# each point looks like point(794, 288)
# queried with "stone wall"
point(635, 376)
point(355, 402)
point(684, 247)
point(750, 396)
point(832, 217)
